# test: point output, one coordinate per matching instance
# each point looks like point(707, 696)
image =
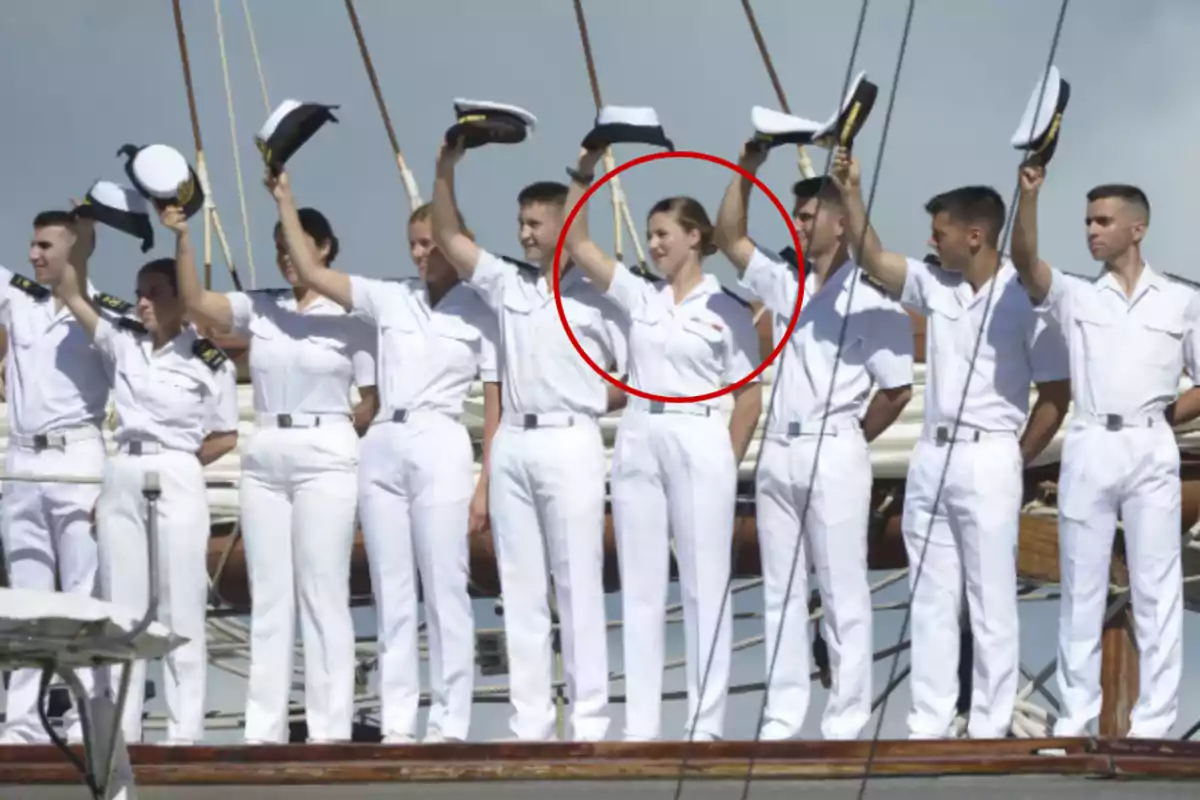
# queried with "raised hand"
point(752, 156)
point(280, 186)
point(1032, 176)
point(846, 174)
point(450, 155)
point(172, 217)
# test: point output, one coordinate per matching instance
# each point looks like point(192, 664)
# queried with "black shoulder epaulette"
point(788, 254)
point(31, 288)
point(932, 260)
point(1085, 278)
point(112, 303)
point(870, 280)
point(212, 356)
point(1185, 281)
point(130, 324)
point(740, 300)
point(645, 274)
point(516, 262)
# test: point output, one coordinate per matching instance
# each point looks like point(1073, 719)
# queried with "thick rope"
point(1062, 13)
point(410, 183)
point(620, 203)
point(802, 159)
point(887, 124)
point(262, 81)
point(233, 137)
point(802, 275)
point(210, 216)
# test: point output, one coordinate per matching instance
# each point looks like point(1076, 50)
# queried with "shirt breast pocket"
point(456, 341)
point(1161, 340)
point(702, 339)
point(179, 395)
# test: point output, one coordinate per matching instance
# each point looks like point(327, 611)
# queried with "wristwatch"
point(580, 177)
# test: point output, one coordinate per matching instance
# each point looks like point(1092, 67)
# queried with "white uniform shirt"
point(55, 378)
point(877, 350)
point(703, 343)
point(541, 371)
point(174, 396)
point(302, 362)
point(1019, 347)
point(1127, 354)
point(428, 357)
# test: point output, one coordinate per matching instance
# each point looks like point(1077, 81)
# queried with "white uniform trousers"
point(1133, 472)
point(546, 498)
point(973, 542)
point(674, 476)
point(183, 531)
point(415, 486)
point(47, 534)
point(299, 495)
point(835, 534)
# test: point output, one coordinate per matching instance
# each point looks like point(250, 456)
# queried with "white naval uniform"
point(674, 476)
point(877, 353)
point(415, 486)
point(546, 488)
point(1120, 458)
point(167, 401)
point(58, 387)
point(299, 497)
point(975, 526)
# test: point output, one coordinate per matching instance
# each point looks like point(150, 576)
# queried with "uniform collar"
point(708, 285)
point(1147, 281)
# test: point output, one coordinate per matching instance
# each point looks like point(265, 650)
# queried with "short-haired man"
point(818, 397)
point(1131, 332)
point(548, 466)
point(984, 346)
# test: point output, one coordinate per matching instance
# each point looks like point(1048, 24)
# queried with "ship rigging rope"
point(237, 153)
point(1012, 208)
point(802, 274)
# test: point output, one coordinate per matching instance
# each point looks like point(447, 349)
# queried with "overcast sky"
point(84, 78)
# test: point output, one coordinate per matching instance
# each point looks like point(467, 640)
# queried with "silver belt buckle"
point(530, 421)
point(41, 441)
point(400, 415)
point(793, 430)
point(942, 435)
point(283, 420)
point(1114, 422)
point(657, 407)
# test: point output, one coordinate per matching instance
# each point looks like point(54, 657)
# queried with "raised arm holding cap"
point(688, 337)
point(814, 472)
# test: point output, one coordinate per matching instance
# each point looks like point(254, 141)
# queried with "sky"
point(85, 78)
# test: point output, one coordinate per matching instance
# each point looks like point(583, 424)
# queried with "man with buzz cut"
point(985, 345)
point(548, 465)
point(57, 388)
point(1132, 331)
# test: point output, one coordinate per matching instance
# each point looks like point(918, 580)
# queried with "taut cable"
point(1062, 13)
point(725, 599)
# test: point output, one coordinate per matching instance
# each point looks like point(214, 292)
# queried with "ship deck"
point(1010, 768)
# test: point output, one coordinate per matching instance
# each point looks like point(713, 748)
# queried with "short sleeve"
point(771, 279)
point(1048, 355)
point(919, 283)
point(223, 405)
point(890, 363)
point(109, 340)
point(1191, 339)
point(627, 290)
point(616, 324)
point(741, 352)
point(1054, 304)
point(489, 341)
point(241, 307)
point(489, 276)
point(365, 299)
point(363, 354)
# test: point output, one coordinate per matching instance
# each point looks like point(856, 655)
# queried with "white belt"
point(403, 416)
point(554, 419)
point(794, 430)
point(57, 439)
point(301, 420)
point(1116, 422)
point(944, 434)
point(641, 405)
